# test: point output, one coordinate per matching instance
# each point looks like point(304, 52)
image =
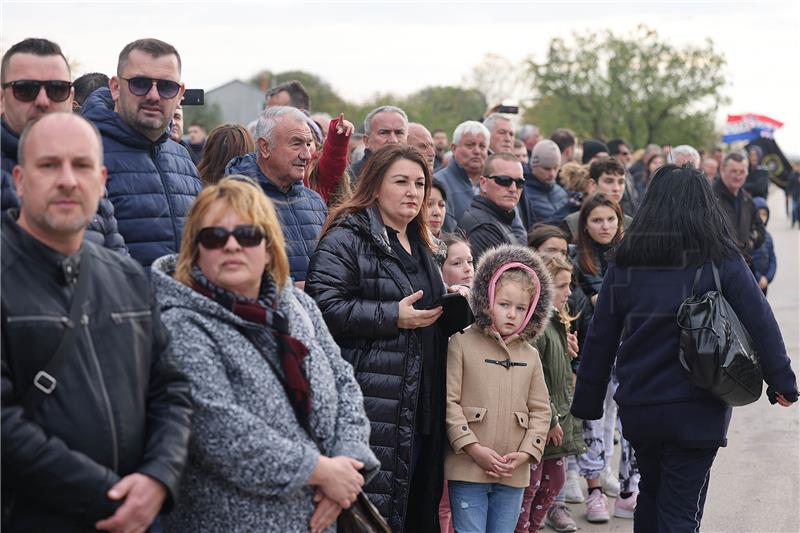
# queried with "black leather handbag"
point(715, 348)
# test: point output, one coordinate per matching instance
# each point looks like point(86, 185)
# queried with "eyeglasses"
point(215, 237)
point(506, 181)
point(28, 90)
point(141, 85)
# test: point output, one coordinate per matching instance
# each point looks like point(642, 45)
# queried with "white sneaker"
point(610, 483)
point(572, 488)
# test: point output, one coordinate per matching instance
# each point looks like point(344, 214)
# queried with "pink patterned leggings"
point(547, 479)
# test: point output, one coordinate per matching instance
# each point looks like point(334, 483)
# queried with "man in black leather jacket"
point(101, 441)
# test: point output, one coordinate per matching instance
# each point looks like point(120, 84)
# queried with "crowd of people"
point(244, 330)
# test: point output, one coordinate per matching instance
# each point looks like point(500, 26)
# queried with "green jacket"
point(552, 346)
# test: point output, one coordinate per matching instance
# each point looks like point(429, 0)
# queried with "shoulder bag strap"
point(716, 277)
point(44, 383)
point(697, 276)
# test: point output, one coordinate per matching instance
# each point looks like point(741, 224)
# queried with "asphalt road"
point(755, 480)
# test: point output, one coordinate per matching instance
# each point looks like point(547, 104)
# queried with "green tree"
point(638, 87)
point(208, 116)
point(444, 107)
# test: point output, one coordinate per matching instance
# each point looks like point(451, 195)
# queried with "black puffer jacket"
point(357, 280)
point(118, 407)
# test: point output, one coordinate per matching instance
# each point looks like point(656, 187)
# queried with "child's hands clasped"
point(494, 464)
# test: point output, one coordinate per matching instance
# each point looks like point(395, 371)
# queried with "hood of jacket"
point(99, 108)
point(9, 142)
point(761, 203)
point(489, 263)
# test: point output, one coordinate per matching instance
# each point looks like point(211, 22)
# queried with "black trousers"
point(673, 487)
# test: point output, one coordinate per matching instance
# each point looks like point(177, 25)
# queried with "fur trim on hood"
point(489, 263)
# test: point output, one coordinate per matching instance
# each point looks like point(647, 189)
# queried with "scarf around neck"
point(264, 312)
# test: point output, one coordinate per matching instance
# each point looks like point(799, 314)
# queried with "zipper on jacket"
point(104, 390)
point(176, 238)
point(38, 318)
point(120, 317)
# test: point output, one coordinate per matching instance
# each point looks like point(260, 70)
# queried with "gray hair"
point(382, 109)
point(527, 130)
point(23, 139)
point(491, 119)
point(470, 126)
point(687, 152)
point(271, 116)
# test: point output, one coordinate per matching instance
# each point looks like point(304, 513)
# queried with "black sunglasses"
point(28, 90)
point(215, 237)
point(506, 181)
point(141, 85)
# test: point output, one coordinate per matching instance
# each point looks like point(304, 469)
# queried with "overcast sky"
point(366, 47)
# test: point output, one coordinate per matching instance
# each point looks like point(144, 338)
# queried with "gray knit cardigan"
point(249, 459)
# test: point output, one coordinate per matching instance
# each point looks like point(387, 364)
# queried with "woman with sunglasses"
point(487, 222)
point(265, 373)
point(375, 277)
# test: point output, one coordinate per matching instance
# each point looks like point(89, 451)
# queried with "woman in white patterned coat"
point(264, 371)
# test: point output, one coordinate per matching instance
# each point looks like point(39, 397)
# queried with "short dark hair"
point(298, 96)
point(541, 232)
point(615, 144)
point(153, 47)
point(35, 46)
point(564, 138)
point(505, 156)
point(680, 222)
point(605, 165)
point(87, 84)
point(733, 156)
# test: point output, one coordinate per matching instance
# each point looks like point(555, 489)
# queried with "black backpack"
point(715, 349)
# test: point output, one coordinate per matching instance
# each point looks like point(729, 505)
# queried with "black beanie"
point(591, 148)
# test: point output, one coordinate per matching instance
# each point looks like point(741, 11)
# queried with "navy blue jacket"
point(635, 323)
point(102, 230)
point(545, 203)
point(151, 184)
point(301, 211)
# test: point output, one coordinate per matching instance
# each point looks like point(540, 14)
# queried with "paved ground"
point(755, 481)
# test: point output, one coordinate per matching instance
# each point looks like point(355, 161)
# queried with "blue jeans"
point(484, 507)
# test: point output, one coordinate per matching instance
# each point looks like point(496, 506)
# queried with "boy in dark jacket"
point(764, 261)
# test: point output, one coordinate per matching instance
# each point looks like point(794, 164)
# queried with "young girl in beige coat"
point(498, 408)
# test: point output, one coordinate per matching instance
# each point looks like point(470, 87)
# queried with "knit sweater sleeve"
point(227, 439)
point(332, 162)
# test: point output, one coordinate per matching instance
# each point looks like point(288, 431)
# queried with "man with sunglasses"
point(95, 420)
point(35, 81)
point(489, 219)
point(152, 180)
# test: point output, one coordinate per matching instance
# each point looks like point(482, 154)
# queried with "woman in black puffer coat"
point(374, 274)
